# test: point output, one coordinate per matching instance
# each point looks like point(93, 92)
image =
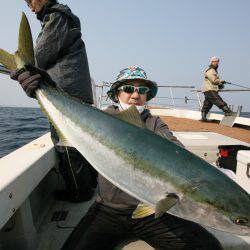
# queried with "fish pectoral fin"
point(131, 116)
point(165, 204)
point(142, 210)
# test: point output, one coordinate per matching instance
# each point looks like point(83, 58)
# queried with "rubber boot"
point(203, 117)
point(227, 111)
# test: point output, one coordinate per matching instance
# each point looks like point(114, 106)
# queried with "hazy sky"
point(171, 40)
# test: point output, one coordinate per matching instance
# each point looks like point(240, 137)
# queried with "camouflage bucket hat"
point(132, 73)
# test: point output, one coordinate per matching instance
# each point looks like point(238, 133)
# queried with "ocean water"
point(19, 126)
point(245, 114)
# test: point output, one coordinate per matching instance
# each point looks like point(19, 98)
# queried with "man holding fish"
point(60, 51)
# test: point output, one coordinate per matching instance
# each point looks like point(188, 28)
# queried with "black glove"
point(221, 86)
point(30, 78)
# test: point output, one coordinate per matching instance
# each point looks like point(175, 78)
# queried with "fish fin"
point(165, 204)
point(131, 116)
point(25, 53)
point(142, 210)
point(7, 60)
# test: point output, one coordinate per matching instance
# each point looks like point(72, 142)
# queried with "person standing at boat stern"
point(62, 60)
point(212, 85)
point(113, 217)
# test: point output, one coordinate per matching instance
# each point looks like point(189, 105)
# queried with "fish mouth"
point(206, 215)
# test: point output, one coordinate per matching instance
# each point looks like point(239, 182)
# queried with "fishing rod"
point(237, 85)
point(4, 70)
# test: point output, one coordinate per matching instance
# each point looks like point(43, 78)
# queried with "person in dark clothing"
point(212, 85)
point(109, 220)
point(60, 53)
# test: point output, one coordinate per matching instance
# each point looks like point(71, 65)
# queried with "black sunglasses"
point(131, 89)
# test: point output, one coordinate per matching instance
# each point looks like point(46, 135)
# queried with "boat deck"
point(190, 125)
point(38, 178)
point(53, 234)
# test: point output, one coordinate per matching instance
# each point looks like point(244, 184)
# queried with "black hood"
point(53, 6)
point(46, 9)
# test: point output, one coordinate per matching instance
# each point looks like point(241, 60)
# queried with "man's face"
point(133, 98)
point(36, 5)
point(215, 63)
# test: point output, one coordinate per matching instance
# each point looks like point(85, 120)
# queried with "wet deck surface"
point(190, 125)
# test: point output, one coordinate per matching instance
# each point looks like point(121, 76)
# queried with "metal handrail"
point(104, 85)
point(225, 90)
point(176, 86)
point(172, 97)
point(171, 87)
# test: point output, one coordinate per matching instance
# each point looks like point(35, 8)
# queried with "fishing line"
point(241, 86)
point(63, 205)
point(71, 168)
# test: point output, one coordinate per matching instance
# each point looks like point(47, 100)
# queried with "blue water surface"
point(19, 126)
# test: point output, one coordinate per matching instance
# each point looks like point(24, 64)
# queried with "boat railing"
point(237, 108)
point(169, 98)
point(103, 100)
point(173, 98)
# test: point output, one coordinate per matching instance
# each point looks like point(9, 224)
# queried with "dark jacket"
point(61, 52)
point(111, 195)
